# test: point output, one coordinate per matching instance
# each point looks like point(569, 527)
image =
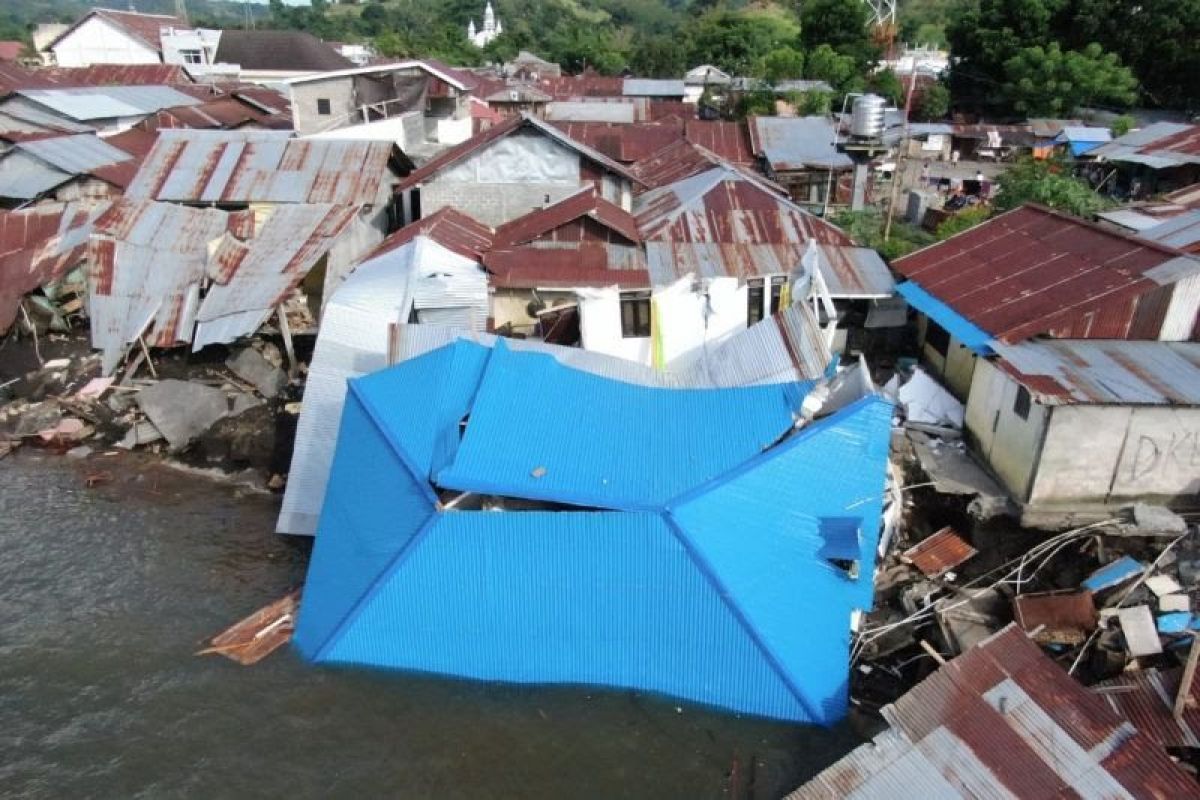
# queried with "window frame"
point(635, 315)
point(1023, 402)
point(937, 337)
point(324, 107)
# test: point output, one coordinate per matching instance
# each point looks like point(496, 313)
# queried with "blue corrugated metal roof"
point(725, 597)
point(959, 326)
point(531, 434)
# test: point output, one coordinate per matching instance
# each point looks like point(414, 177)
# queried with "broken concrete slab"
point(253, 367)
point(182, 410)
point(243, 401)
point(244, 440)
point(952, 470)
point(141, 433)
point(38, 417)
point(1148, 520)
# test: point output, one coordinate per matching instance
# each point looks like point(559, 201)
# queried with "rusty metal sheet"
point(584, 204)
point(939, 553)
point(1146, 698)
point(1059, 372)
point(1004, 720)
point(118, 75)
point(798, 143)
point(258, 166)
point(449, 227)
point(1055, 617)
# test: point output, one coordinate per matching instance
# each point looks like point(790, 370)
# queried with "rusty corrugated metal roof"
point(939, 553)
point(1069, 372)
point(585, 265)
point(146, 27)
point(584, 204)
point(1003, 720)
point(118, 75)
point(245, 166)
point(14, 77)
point(449, 227)
point(37, 246)
point(623, 141)
point(1035, 271)
point(1147, 698)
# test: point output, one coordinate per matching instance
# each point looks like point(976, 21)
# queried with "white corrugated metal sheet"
point(107, 102)
point(76, 154)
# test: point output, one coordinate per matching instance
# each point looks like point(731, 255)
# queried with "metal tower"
point(883, 12)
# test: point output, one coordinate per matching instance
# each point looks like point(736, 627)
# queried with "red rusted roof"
point(146, 27)
point(535, 267)
point(683, 159)
point(727, 140)
point(1035, 271)
point(119, 75)
point(11, 51)
point(1186, 142)
point(623, 141)
point(223, 113)
point(939, 553)
point(37, 246)
point(449, 227)
point(724, 205)
point(136, 141)
point(1147, 700)
point(566, 87)
point(14, 78)
point(484, 138)
point(584, 204)
point(1003, 719)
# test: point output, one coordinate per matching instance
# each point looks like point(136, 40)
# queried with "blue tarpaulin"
point(698, 548)
point(1110, 575)
point(967, 332)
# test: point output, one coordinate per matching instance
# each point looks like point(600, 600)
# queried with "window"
point(776, 291)
point(635, 314)
point(192, 56)
point(323, 106)
point(937, 338)
point(1022, 402)
point(754, 301)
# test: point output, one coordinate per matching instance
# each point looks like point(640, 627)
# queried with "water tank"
point(866, 117)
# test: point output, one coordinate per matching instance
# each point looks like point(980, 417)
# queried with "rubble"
point(182, 410)
point(258, 635)
point(253, 367)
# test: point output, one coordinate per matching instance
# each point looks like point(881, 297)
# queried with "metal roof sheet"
point(1147, 698)
point(650, 87)
point(937, 554)
point(625, 142)
point(797, 143)
point(104, 102)
point(75, 154)
point(587, 203)
point(23, 177)
point(449, 227)
point(1074, 371)
point(145, 27)
point(37, 246)
point(118, 75)
point(1084, 133)
point(1003, 720)
point(1182, 232)
point(242, 166)
point(584, 111)
point(1037, 271)
point(1056, 617)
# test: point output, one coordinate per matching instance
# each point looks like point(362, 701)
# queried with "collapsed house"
point(463, 533)
point(1157, 158)
point(1003, 720)
point(104, 109)
point(64, 168)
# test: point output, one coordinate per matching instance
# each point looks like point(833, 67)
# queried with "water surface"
point(106, 593)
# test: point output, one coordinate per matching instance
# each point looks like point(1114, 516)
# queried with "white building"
point(490, 30)
point(104, 36)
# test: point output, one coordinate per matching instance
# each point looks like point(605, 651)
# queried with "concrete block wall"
point(492, 203)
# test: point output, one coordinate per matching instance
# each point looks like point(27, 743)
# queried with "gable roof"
point(36, 166)
point(1003, 720)
point(796, 143)
point(485, 138)
point(457, 232)
point(655, 556)
point(118, 75)
point(1034, 271)
point(86, 103)
point(146, 28)
point(244, 166)
point(283, 51)
point(586, 203)
point(458, 78)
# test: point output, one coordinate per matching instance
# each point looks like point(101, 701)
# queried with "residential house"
point(1079, 140)
point(511, 169)
point(583, 584)
point(407, 101)
point(63, 169)
point(107, 36)
point(656, 89)
point(1037, 272)
point(265, 56)
point(1158, 158)
point(1004, 720)
point(801, 154)
point(529, 67)
point(704, 77)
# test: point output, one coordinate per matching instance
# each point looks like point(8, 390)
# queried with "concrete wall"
point(1007, 443)
point(340, 94)
point(98, 42)
point(492, 203)
point(1118, 454)
point(955, 369)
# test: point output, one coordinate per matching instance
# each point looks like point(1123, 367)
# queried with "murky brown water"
point(106, 593)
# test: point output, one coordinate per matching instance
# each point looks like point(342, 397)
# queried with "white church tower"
point(490, 30)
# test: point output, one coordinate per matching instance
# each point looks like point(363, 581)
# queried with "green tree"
point(658, 57)
point(963, 220)
point(1049, 183)
point(841, 24)
point(1121, 125)
point(735, 40)
point(840, 72)
point(885, 84)
point(932, 103)
point(1045, 81)
point(781, 64)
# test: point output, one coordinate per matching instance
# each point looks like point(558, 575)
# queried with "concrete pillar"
point(858, 197)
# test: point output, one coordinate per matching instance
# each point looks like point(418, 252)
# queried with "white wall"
point(1006, 442)
point(956, 368)
point(453, 131)
point(98, 42)
point(1119, 453)
point(600, 326)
